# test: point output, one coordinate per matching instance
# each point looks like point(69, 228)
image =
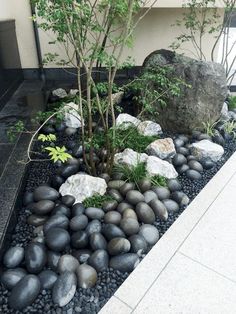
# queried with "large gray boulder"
point(200, 103)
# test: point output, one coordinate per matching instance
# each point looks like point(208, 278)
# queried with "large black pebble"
point(45, 193)
point(24, 293)
point(35, 257)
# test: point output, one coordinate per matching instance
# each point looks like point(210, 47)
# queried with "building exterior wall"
point(154, 32)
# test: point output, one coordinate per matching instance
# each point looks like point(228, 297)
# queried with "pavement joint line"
point(122, 302)
point(177, 250)
point(207, 267)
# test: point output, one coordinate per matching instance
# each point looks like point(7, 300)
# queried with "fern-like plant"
point(58, 153)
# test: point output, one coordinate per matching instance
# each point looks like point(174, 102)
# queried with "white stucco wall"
point(154, 32)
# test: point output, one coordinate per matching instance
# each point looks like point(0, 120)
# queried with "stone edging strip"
point(131, 292)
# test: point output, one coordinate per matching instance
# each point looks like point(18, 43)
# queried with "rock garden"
point(111, 167)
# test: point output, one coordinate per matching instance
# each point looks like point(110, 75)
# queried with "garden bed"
point(90, 300)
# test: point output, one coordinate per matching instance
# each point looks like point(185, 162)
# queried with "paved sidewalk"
point(192, 269)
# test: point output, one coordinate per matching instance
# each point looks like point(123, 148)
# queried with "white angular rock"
point(157, 166)
point(149, 128)
point(125, 120)
point(82, 186)
point(129, 157)
point(72, 118)
point(225, 112)
point(73, 92)
point(163, 148)
point(207, 149)
point(59, 92)
point(117, 97)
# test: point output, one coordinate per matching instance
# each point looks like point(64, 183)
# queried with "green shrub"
point(132, 174)
point(158, 180)
point(96, 200)
point(125, 138)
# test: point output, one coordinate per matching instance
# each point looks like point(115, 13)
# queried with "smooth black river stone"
point(78, 223)
point(182, 168)
point(57, 181)
point(11, 277)
point(43, 207)
point(129, 226)
point(79, 239)
point(179, 160)
point(178, 142)
point(174, 185)
point(47, 279)
point(118, 246)
point(138, 244)
point(97, 241)
point(109, 205)
point(180, 197)
point(184, 138)
point(134, 197)
point(64, 289)
point(28, 198)
point(126, 187)
point(115, 184)
point(45, 193)
point(94, 213)
point(116, 195)
point(59, 221)
point(144, 185)
point(193, 174)
point(93, 226)
point(61, 209)
point(87, 276)
point(69, 170)
point(207, 163)
point(123, 206)
point(125, 262)
point(182, 150)
point(99, 260)
point(159, 209)
point(191, 157)
point(150, 234)
point(161, 192)
point(145, 213)
point(67, 262)
point(82, 255)
point(129, 213)
point(149, 196)
point(13, 256)
point(111, 231)
point(68, 200)
point(57, 239)
point(78, 209)
point(53, 259)
point(24, 293)
point(112, 217)
point(36, 220)
point(195, 165)
point(77, 151)
point(105, 176)
point(204, 136)
point(35, 257)
point(171, 205)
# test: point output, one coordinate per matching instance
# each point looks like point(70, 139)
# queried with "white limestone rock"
point(129, 157)
point(117, 97)
point(162, 148)
point(82, 186)
point(125, 120)
point(225, 112)
point(59, 92)
point(207, 149)
point(72, 118)
point(73, 92)
point(149, 128)
point(157, 166)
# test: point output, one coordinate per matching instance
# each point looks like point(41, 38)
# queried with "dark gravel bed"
point(89, 300)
